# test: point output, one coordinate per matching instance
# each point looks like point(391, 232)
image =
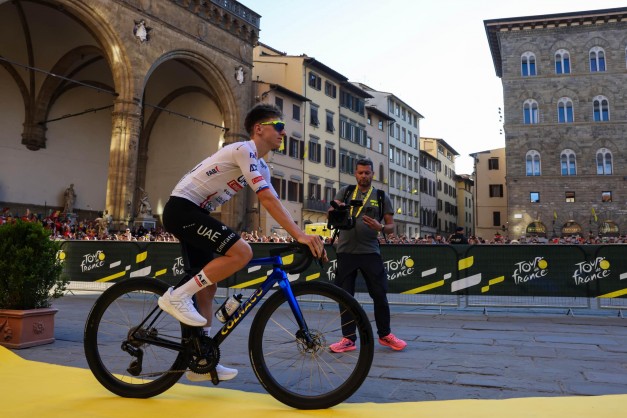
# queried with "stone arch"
point(149, 125)
point(216, 81)
point(53, 88)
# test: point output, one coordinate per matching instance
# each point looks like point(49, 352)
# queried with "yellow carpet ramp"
point(32, 389)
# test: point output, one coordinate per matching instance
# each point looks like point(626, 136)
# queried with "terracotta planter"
point(26, 328)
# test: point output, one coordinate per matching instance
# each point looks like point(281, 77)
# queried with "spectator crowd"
point(67, 228)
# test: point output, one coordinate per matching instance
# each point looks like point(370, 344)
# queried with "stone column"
point(126, 121)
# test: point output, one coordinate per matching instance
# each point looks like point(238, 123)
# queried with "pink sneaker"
point(343, 345)
point(394, 343)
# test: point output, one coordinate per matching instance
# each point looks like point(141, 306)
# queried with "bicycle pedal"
point(214, 377)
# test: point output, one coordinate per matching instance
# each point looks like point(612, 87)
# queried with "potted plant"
point(30, 277)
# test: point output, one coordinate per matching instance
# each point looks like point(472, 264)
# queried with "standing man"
point(358, 249)
point(187, 215)
point(458, 237)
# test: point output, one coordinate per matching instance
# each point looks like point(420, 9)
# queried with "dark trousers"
point(371, 267)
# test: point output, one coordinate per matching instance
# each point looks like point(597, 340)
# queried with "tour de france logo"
point(588, 271)
point(401, 267)
point(92, 261)
point(530, 270)
point(179, 267)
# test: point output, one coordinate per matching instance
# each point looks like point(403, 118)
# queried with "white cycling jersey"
point(218, 177)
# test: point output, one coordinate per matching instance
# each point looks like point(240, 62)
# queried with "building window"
point(562, 62)
point(597, 59)
point(380, 147)
point(606, 197)
point(381, 173)
point(296, 112)
point(493, 164)
point(496, 190)
point(314, 151)
point(329, 156)
point(313, 116)
point(568, 163)
point(604, 162)
point(532, 163)
point(380, 125)
point(330, 127)
point(296, 148)
point(565, 110)
point(330, 89)
point(530, 112)
point(528, 64)
point(280, 186)
point(314, 191)
point(294, 191)
point(315, 81)
point(601, 109)
point(534, 197)
point(570, 197)
point(329, 193)
point(278, 103)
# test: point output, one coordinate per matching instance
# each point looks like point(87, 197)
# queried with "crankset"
point(204, 358)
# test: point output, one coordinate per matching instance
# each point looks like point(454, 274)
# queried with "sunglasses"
point(279, 125)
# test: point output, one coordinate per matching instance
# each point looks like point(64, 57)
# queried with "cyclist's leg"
point(345, 276)
point(194, 260)
point(198, 229)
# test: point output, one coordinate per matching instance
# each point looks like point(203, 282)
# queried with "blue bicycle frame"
point(278, 276)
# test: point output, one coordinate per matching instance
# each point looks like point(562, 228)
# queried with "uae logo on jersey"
point(234, 184)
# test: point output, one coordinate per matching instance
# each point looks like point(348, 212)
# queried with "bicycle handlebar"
point(299, 265)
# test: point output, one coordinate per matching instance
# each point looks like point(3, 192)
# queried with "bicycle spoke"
point(119, 352)
point(303, 371)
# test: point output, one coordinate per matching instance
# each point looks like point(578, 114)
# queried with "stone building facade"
point(565, 95)
point(119, 98)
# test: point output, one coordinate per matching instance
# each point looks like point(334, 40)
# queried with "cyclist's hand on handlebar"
point(315, 244)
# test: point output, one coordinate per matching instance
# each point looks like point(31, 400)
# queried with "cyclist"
point(187, 216)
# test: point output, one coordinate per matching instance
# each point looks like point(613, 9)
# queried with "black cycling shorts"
point(200, 234)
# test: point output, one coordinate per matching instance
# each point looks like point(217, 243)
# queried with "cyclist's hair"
point(365, 161)
point(260, 112)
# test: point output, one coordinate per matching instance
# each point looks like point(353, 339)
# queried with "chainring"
point(205, 355)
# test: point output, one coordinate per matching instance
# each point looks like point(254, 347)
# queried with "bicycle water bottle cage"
point(302, 257)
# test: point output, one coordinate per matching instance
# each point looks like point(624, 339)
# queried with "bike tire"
point(309, 377)
point(120, 308)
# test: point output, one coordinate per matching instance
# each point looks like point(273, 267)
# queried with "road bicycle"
point(136, 350)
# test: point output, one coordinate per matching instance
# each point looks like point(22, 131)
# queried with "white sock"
point(207, 331)
point(193, 285)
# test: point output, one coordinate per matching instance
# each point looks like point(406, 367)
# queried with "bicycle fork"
point(303, 330)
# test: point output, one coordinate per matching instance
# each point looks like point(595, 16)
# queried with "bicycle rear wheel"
point(310, 376)
point(114, 319)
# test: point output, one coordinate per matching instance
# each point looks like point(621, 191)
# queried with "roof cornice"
point(570, 19)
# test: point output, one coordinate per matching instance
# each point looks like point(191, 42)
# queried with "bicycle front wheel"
point(123, 363)
point(302, 372)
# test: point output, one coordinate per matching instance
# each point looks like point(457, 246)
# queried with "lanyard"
point(365, 201)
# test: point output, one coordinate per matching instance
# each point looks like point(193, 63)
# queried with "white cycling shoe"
point(224, 373)
point(182, 308)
